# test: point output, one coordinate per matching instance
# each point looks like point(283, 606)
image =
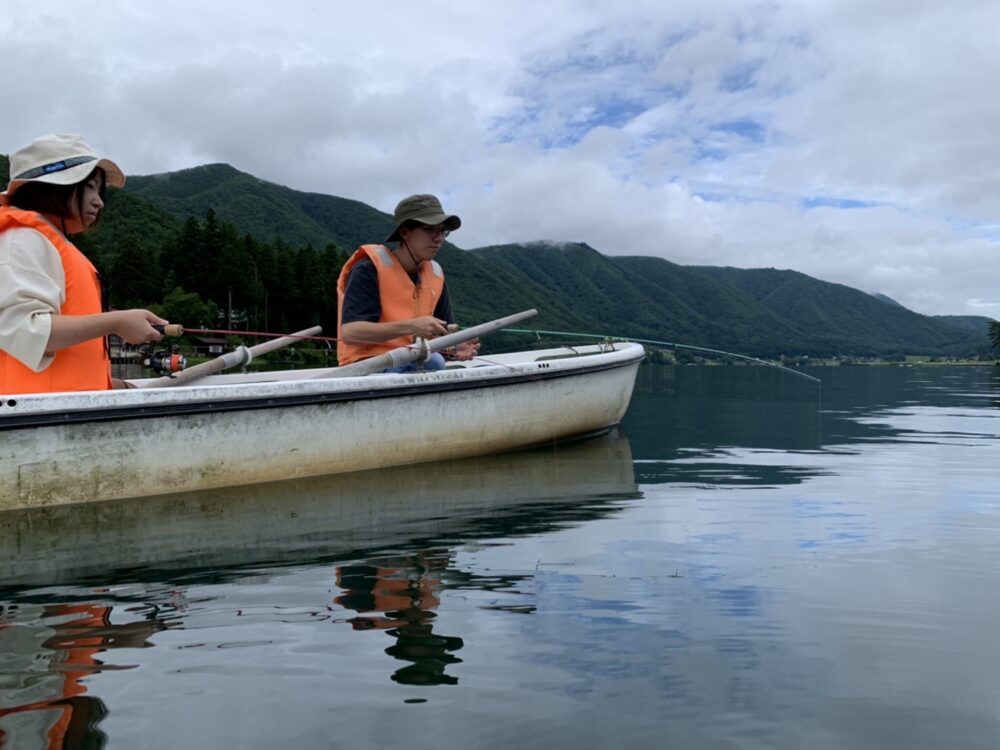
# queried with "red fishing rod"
point(176, 329)
point(170, 363)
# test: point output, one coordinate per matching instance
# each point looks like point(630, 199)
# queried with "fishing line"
point(819, 383)
point(328, 339)
point(268, 334)
point(668, 344)
point(259, 334)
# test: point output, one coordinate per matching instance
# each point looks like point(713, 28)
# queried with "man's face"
point(424, 241)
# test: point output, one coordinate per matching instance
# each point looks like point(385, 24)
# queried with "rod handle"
point(170, 329)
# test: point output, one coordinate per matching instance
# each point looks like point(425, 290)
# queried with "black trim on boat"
point(207, 406)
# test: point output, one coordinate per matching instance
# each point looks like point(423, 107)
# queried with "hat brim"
point(113, 176)
point(450, 221)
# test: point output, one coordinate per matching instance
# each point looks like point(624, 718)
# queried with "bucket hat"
point(423, 208)
point(59, 159)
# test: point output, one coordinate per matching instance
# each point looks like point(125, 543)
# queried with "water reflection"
point(292, 522)
point(758, 426)
point(821, 578)
point(399, 595)
point(128, 570)
point(47, 654)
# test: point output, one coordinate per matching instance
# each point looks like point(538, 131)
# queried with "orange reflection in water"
point(48, 651)
point(398, 595)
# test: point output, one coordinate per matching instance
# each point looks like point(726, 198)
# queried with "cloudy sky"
point(857, 141)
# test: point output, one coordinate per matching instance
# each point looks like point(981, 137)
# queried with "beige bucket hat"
point(59, 159)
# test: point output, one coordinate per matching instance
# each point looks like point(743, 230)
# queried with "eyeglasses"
point(435, 231)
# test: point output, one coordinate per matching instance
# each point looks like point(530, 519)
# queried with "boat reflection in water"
point(293, 521)
point(389, 537)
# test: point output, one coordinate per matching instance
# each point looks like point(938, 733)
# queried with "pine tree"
point(309, 281)
point(187, 267)
point(134, 279)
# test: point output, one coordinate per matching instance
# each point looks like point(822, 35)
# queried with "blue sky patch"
point(707, 152)
point(719, 196)
point(751, 130)
point(845, 203)
point(739, 78)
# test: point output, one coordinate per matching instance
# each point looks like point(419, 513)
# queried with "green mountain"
point(841, 319)
point(971, 323)
point(885, 298)
point(280, 250)
point(575, 286)
point(262, 209)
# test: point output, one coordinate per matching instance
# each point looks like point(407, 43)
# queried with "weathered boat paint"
point(236, 430)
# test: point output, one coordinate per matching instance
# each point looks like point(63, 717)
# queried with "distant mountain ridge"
point(761, 312)
point(885, 298)
point(263, 209)
point(838, 317)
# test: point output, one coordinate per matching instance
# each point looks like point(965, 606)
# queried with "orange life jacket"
point(400, 298)
point(82, 367)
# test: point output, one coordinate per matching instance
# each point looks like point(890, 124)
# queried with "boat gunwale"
point(520, 374)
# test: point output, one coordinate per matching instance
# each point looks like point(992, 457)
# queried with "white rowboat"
point(227, 430)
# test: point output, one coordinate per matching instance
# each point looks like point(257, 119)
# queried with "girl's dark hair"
point(56, 200)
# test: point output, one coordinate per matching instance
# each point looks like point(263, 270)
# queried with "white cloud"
point(692, 133)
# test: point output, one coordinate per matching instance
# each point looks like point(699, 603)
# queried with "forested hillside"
point(215, 245)
point(841, 319)
point(262, 209)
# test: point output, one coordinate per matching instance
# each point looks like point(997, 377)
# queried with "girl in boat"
point(52, 319)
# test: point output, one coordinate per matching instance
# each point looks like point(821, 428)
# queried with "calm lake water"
point(751, 561)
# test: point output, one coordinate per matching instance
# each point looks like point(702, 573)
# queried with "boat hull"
point(72, 448)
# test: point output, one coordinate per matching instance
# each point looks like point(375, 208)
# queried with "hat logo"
point(56, 166)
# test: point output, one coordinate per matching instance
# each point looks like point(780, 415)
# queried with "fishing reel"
point(162, 361)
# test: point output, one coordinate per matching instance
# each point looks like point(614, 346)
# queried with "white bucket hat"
point(59, 159)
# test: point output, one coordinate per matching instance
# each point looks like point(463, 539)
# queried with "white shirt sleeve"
point(32, 289)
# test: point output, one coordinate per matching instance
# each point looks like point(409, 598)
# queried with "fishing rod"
point(666, 343)
point(172, 363)
point(174, 329)
point(177, 330)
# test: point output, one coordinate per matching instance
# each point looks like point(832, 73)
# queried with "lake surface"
point(751, 561)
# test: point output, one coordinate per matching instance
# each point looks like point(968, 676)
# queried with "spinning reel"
point(162, 361)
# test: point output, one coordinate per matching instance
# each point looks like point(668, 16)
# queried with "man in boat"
point(52, 319)
point(388, 298)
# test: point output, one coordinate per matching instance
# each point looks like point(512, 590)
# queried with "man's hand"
point(428, 327)
point(465, 350)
